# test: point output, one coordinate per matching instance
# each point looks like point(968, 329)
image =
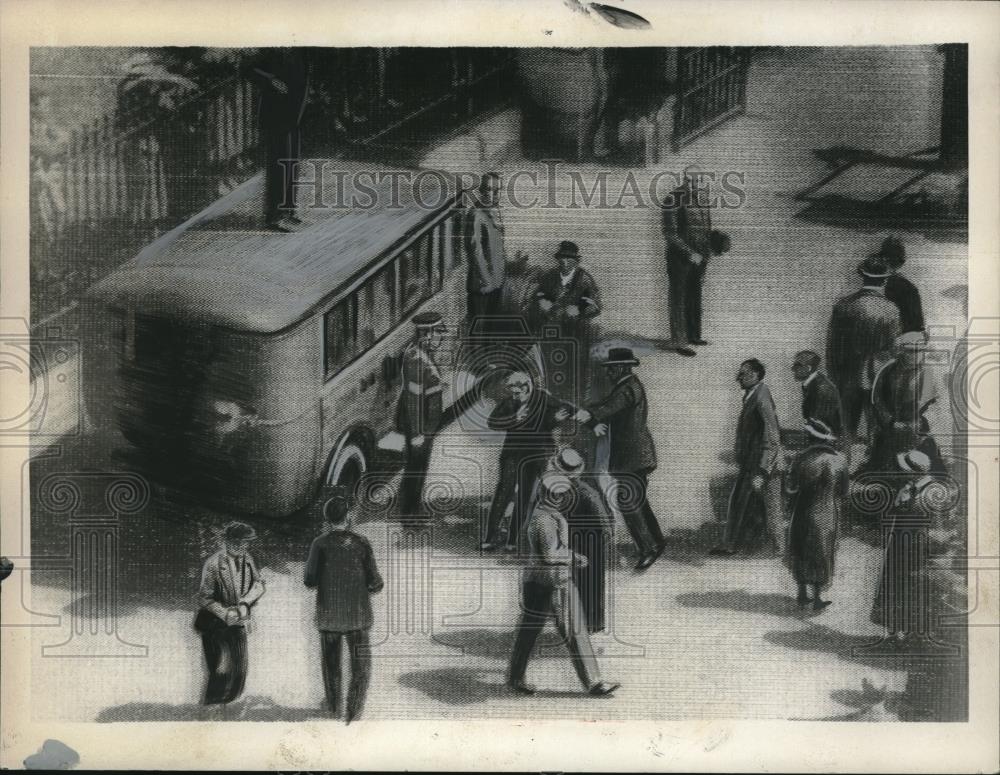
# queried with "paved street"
point(695, 637)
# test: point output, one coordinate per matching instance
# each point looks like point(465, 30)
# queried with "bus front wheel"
point(346, 469)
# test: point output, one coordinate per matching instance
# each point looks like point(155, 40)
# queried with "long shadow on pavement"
point(740, 600)
point(465, 686)
point(497, 643)
point(254, 708)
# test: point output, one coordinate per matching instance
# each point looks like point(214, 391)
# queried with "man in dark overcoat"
point(817, 486)
point(282, 75)
point(898, 289)
point(341, 568)
point(755, 508)
point(863, 327)
point(622, 416)
point(528, 415)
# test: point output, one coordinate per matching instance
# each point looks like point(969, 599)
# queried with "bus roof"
point(226, 270)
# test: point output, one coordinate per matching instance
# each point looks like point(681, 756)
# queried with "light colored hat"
point(556, 484)
point(914, 460)
point(569, 461)
point(910, 339)
point(518, 379)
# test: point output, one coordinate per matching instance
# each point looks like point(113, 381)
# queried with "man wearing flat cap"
point(548, 592)
point(527, 414)
point(230, 587)
point(419, 412)
point(817, 486)
point(590, 534)
point(622, 416)
point(568, 300)
point(863, 327)
point(899, 290)
point(901, 394)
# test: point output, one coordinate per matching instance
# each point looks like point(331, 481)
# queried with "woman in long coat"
point(817, 484)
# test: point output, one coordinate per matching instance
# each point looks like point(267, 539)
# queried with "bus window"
point(377, 306)
point(415, 273)
point(454, 234)
point(340, 335)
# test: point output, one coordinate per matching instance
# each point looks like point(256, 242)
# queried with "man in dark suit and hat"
point(568, 299)
point(899, 290)
point(755, 504)
point(282, 75)
point(820, 399)
point(341, 568)
point(817, 486)
point(230, 587)
point(862, 329)
point(622, 416)
point(528, 415)
point(419, 411)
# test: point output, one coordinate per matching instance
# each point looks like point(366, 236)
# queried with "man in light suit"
point(755, 504)
point(230, 587)
point(341, 568)
point(863, 327)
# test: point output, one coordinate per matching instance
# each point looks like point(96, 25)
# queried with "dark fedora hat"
point(568, 249)
point(873, 267)
point(238, 531)
point(892, 251)
point(621, 356)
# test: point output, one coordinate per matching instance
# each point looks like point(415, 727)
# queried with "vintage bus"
point(250, 367)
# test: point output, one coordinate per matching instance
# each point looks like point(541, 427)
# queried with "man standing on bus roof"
point(418, 415)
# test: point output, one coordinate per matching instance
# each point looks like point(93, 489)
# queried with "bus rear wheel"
point(346, 470)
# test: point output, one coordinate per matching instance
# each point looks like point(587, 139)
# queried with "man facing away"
point(898, 289)
point(341, 568)
point(755, 503)
point(862, 327)
point(817, 486)
point(548, 591)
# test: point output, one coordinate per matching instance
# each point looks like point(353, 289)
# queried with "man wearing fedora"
point(230, 587)
point(755, 508)
point(341, 568)
point(817, 486)
point(567, 299)
point(899, 290)
point(622, 417)
point(528, 415)
point(901, 394)
point(548, 591)
point(862, 328)
point(419, 412)
point(590, 534)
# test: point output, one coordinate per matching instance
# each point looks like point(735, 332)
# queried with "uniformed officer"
point(418, 415)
